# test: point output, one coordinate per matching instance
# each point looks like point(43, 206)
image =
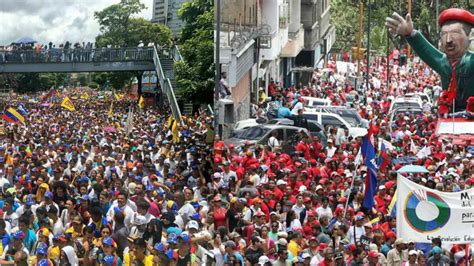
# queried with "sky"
point(54, 20)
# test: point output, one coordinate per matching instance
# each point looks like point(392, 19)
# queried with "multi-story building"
point(263, 40)
point(320, 35)
point(166, 12)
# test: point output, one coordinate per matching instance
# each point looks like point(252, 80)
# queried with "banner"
point(423, 214)
point(67, 103)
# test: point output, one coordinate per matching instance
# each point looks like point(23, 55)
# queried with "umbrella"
point(412, 169)
point(25, 40)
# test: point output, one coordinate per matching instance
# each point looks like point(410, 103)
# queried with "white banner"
point(423, 214)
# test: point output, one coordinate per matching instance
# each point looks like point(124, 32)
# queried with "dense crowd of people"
point(103, 184)
point(305, 208)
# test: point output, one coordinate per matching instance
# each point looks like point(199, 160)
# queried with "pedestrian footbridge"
point(98, 60)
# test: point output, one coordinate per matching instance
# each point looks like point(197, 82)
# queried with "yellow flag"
point(111, 109)
point(118, 97)
point(170, 121)
point(175, 132)
point(67, 103)
point(141, 102)
point(85, 96)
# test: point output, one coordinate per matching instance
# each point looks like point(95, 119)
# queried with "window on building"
point(284, 15)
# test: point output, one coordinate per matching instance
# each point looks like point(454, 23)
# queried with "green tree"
point(119, 27)
point(195, 75)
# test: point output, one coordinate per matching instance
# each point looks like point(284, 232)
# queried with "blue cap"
point(196, 216)
point(160, 247)
point(436, 250)
point(29, 200)
point(18, 235)
point(42, 249)
point(172, 239)
point(84, 179)
point(48, 195)
point(43, 262)
point(174, 230)
point(109, 260)
point(108, 241)
point(185, 237)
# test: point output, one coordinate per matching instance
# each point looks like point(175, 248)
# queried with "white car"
point(312, 102)
point(243, 124)
point(410, 101)
point(423, 96)
point(336, 121)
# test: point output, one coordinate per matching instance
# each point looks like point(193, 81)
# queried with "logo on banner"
point(425, 211)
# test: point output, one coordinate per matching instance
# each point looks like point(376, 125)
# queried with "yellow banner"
point(67, 103)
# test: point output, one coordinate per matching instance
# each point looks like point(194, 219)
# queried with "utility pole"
point(218, 66)
point(359, 40)
point(388, 48)
point(368, 48)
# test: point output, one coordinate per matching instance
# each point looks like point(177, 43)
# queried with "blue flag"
point(368, 152)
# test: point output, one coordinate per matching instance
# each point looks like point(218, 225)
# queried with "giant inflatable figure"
point(455, 64)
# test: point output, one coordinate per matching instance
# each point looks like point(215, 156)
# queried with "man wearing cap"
point(16, 245)
point(455, 65)
point(437, 258)
point(398, 254)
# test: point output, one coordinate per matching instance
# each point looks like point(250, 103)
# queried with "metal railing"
point(77, 55)
point(166, 87)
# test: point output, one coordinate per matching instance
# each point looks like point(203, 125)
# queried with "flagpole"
point(352, 181)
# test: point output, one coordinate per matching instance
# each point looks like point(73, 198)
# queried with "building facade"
point(265, 40)
point(166, 12)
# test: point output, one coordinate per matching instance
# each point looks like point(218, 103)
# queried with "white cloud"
point(57, 21)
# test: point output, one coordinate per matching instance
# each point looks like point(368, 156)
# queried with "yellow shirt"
point(294, 248)
point(127, 261)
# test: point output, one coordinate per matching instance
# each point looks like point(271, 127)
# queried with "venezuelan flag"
point(12, 116)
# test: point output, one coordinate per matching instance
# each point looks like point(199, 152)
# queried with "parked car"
point(314, 128)
point(312, 102)
point(287, 135)
point(349, 114)
point(335, 121)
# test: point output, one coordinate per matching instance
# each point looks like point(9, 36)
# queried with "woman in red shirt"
point(220, 218)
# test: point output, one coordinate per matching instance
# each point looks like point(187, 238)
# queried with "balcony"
point(295, 43)
point(311, 37)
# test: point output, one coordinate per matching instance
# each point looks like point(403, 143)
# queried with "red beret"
point(456, 14)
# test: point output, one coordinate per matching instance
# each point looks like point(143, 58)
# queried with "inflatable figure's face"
point(454, 40)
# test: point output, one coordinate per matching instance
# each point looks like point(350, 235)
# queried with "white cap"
point(381, 187)
point(305, 255)
point(131, 188)
point(302, 188)
point(193, 224)
point(413, 252)
point(140, 220)
point(281, 182)
point(319, 187)
point(262, 260)
point(282, 242)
